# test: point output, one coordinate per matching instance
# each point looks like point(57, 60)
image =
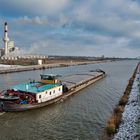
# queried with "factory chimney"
point(6, 39)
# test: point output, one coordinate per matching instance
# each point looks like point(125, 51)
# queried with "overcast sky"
point(73, 27)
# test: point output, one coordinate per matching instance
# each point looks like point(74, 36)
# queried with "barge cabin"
point(34, 91)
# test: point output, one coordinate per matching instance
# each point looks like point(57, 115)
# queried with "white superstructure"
point(49, 94)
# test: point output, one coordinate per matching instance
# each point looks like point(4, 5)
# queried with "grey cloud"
point(38, 7)
point(36, 20)
point(95, 27)
point(62, 48)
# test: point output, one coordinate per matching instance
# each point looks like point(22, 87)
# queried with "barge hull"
point(8, 106)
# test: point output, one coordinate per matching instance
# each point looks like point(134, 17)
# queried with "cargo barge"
point(50, 89)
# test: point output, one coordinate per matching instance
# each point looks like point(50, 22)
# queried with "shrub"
point(123, 100)
point(119, 109)
point(129, 87)
point(118, 119)
point(111, 129)
point(126, 92)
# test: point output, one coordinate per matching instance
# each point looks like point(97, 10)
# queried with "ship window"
point(54, 91)
point(39, 96)
point(50, 92)
point(46, 92)
point(59, 89)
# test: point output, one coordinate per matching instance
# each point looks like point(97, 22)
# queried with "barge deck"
point(74, 83)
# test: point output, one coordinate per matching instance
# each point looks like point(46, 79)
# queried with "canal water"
point(80, 117)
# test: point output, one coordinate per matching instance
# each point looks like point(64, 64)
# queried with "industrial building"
point(10, 52)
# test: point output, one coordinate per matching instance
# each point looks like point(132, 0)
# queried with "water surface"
point(80, 117)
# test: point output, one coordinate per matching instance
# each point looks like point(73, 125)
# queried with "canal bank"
point(130, 116)
point(14, 69)
point(138, 127)
point(124, 120)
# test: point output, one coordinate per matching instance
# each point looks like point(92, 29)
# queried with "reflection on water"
point(82, 116)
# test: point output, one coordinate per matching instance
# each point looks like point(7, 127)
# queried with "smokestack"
point(5, 23)
point(6, 39)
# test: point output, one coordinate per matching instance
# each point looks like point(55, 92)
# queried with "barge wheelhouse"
point(33, 92)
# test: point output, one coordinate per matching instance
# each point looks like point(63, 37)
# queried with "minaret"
point(6, 39)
